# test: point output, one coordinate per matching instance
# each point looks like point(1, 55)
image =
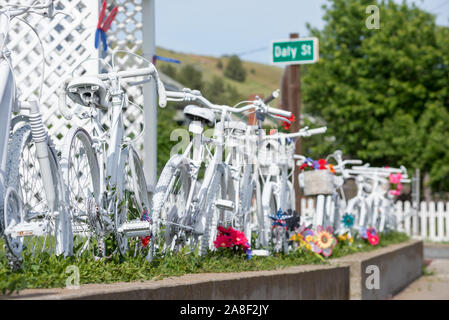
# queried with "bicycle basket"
point(318, 182)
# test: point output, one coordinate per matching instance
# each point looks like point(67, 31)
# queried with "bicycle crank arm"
point(182, 226)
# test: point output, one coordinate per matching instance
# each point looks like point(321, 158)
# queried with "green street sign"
point(295, 51)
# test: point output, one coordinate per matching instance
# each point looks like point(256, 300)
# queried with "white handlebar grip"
point(318, 130)
point(356, 161)
point(63, 106)
point(280, 112)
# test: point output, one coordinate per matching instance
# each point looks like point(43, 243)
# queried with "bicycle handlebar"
point(46, 9)
point(138, 73)
point(188, 95)
point(282, 113)
point(304, 132)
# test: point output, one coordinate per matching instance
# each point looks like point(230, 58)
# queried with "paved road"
point(431, 287)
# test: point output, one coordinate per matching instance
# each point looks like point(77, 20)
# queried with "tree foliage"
point(383, 93)
point(234, 69)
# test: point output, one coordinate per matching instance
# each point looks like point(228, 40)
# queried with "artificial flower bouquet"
point(320, 164)
point(396, 185)
point(346, 237)
point(320, 241)
point(318, 177)
point(370, 234)
point(232, 239)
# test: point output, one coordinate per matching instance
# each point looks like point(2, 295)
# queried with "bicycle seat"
point(88, 92)
point(206, 116)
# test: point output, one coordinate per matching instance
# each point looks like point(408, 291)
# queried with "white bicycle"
point(188, 212)
point(33, 211)
point(278, 196)
point(107, 190)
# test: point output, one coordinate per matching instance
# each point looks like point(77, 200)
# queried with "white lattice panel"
point(66, 42)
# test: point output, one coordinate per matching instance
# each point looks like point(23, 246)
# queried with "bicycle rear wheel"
point(133, 202)
point(270, 206)
point(82, 176)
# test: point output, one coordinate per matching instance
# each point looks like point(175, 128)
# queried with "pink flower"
point(373, 237)
point(373, 240)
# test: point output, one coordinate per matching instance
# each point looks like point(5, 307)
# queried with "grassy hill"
point(261, 79)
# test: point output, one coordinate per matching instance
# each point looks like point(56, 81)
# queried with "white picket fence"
point(431, 222)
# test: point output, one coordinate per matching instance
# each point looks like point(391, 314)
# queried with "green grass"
point(386, 239)
point(46, 271)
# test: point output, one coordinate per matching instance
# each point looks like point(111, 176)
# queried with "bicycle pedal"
point(135, 229)
point(224, 204)
point(260, 253)
point(24, 229)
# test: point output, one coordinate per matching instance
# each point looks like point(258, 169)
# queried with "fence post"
point(407, 219)
point(149, 96)
point(446, 220)
point(440, 221)
point(423, 218)
point(432, 229)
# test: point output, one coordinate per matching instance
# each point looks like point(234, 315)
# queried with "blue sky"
point(211, 27)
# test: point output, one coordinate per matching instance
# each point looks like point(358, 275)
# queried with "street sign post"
point(295, 51)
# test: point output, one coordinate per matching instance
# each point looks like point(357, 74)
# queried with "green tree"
point(234, 69)
point(191, 77)
point(219, 92)
point(383, 93)
point(169, 70)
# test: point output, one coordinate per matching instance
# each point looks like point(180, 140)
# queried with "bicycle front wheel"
point(169, 210)
point(43, 226)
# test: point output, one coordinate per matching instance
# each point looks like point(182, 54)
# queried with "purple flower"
point(316, 165)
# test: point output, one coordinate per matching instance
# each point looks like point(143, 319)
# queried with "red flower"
point(238, 238)
point(303, 166)
point(230, 237)
point(222, 230)
point(287, 125)
point(145, 241)
point(223, 241)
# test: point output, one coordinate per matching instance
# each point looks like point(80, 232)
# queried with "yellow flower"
point(296, 237)
point(309, 239)
point(351, 240)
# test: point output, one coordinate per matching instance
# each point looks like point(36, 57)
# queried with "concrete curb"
point(345, 278)
point(436, 251)
point(309, 282)
point(397, 266)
